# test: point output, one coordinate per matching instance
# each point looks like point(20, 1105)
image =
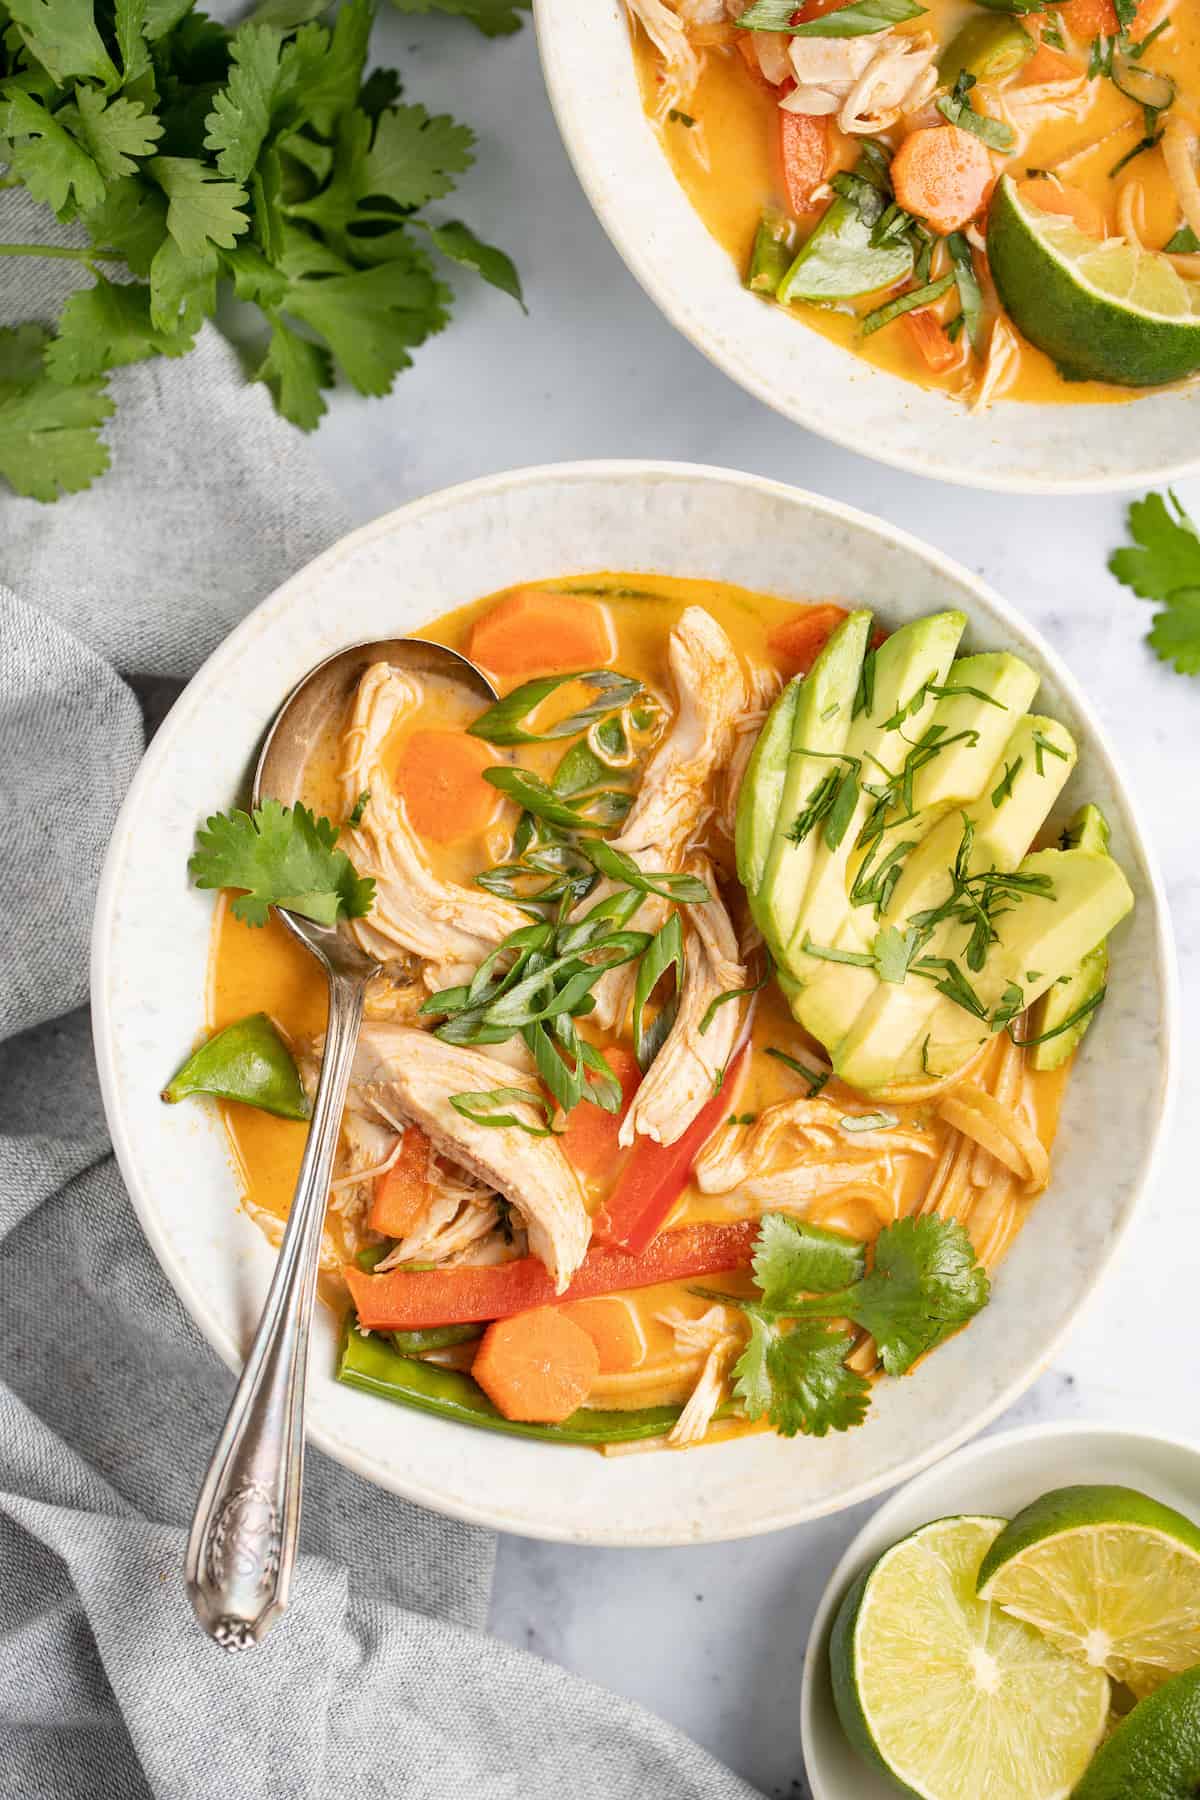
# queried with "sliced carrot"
point(1048, 64)
point(538, 1366)
point(930, 338)
point(407, 1299)
point(440, 775)
point(804, 147)
point(800, 640)
point(656, 1174)
point(614, 1328)
point(402, 1193)
point(1088, 19)
point(590, 1140)
point(533, 632)
point(1071, 202)
point(942, 175)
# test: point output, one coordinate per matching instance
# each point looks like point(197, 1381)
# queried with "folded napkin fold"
point(379, 1681)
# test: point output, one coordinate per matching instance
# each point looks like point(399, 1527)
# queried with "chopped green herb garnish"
point(817, 1078)
point(1081, 1012)
point(1163, 563)
point(280, 856)
point(956, 107)
point(905, 303)
point(662, 957)
point(482, 1108)
point(504, 723)
point(859, 959)
point(860, 19)
point(360, 807)
point(681, 118)
point(871, 1121)
point(732, 994)
point(1003, 789)
point(1042, 747)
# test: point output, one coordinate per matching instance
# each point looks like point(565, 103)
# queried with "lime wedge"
point(1109, 1575)
point(1103, 311)
point(1154, 1752)
point(946, 1694)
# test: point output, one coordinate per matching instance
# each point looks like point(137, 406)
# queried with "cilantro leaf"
point(280, 856)
point(1164, 564)
point(55, 168)
point(238, 124)
point(131, 218)
point(495, 18)
point(327, 66)
point(414, 158)
point(129, 23)
point(459, 243)
point(49, 434)
point(792, 1258)
point(894, 950)
point(104, 327)
point(63, 37)
point(296, 370)
point(202, 209)
point(115, 132)
point(798, 1379)
point(371, 318)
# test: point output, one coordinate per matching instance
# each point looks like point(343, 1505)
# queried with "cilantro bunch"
point(923, 1285)
point(194, 156)
point(1163, 564)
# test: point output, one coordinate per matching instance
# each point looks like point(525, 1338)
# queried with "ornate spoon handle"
point(243, 1539)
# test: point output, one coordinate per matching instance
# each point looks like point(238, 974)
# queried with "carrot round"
point(942, 175)
point(800, 640)
point(1084, 211)
point(804, 148)
point(590, 1139)
point(534, 632)
point(614, 1328)
point(537, 1366)
point(931, 340)
point(402, 1193)
point(440, 775)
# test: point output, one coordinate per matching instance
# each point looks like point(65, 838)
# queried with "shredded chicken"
point(675, 792)
point(799, 1151)
point(683, 1075)
point(415, 914)
point(712, 1333)
point(868, 82)
point(682, 65)
point(406, 1074)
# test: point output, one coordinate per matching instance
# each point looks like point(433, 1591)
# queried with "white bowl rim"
point(879, 1527)
point(551, 17)
point(195, 1300)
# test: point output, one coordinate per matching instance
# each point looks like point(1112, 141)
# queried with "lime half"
point(1103, 311)
point(1155, 1752)
point(947, 1695)
point(1109, 1575)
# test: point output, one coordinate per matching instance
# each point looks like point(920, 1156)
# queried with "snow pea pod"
point(372, 1365)
point(433, 1337)
point(248, 1061)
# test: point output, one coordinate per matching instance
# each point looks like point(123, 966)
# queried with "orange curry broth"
point(265, 969)
point(738, 115)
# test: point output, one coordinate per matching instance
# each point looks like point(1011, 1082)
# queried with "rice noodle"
point(1002, 1131)
point(1180, 148)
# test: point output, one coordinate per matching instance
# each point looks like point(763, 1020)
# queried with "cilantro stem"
point(62, 252)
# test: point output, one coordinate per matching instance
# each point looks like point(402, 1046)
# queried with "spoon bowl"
point(244, 1534)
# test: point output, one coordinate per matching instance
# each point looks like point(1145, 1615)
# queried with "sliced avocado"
point(1004, 818)
point(1061, 1006)
point(977, 707)
point(821, 722)
point(895, 681)
point(762, 789)
point(1039, 939)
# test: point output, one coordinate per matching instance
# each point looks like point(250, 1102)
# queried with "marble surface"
point(713, 1639)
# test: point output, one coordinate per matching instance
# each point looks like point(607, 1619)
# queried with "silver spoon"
point(243, 1539)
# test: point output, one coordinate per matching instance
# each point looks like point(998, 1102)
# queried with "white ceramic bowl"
point(590, 75)
point(152, 937)
point(996, 1475)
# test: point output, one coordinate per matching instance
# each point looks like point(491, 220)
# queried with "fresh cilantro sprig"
point(923, 1285)
point(196, 157)
point(280, 856)
point(1163, 564)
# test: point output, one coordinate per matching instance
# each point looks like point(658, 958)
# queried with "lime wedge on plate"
point(948, 1695)
point(1155, 1752)
point(1103, 311)
point(1109, 1575)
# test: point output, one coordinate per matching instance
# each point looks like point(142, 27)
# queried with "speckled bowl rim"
point(128, 1074)
point(1016, 448)
point(917, 1503)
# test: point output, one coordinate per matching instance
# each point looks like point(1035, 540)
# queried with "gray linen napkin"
point(378, 1681)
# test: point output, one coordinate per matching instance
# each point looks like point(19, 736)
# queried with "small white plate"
point(588, 63)
point(996, 1475)
point(150, 953)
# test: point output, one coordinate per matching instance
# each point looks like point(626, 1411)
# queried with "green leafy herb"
point(505, 722)
point(798, 1379)
point(905, 303)
point(732, 994)
point(483, 1106)
point(360, 807)
point(970, 294)
point(681, 118)
point(1043, 747)
point(871, 1121)
point(956, 107)
point(816, 1078)
point(1081, 1012)
point(949, 979)
point(494, 18)
point(280, 856)
point(894, 950)
point(1163, 565)
point(663, 957)
point(198, 158)
point(532, 793)
point(861, 19)
point(684, 889)
point(1004, 787)
point(858, 959)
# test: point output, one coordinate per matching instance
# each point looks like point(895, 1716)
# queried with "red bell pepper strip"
point(804, 148)
point(656, 1174)
point(407, 1300)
